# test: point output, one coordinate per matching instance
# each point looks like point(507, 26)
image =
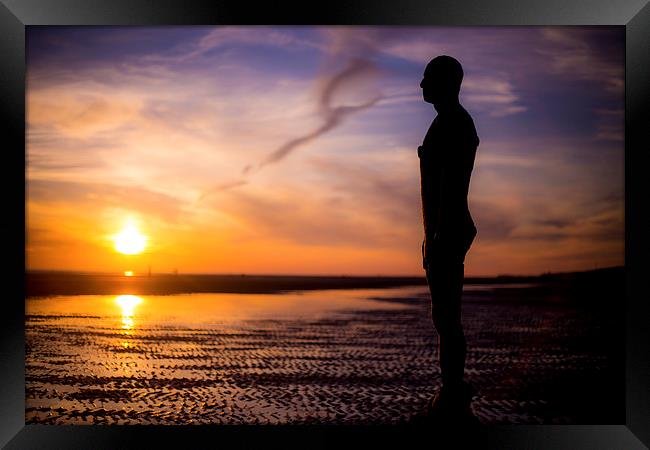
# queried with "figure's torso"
point(446, 161)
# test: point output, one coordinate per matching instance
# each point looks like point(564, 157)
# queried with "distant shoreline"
point(48, 283)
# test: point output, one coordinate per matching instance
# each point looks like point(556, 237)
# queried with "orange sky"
point(235, 150)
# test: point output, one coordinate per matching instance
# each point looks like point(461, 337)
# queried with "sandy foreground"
point(336, 356)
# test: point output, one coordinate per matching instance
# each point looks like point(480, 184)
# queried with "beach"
point(537, 354)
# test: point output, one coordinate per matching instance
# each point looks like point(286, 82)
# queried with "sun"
point(130, 241)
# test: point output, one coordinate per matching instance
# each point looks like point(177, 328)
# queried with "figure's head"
point(441, 80)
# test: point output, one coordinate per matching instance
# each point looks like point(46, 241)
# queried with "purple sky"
point(293, 149)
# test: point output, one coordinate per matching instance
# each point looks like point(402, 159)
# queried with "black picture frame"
point(634, 15)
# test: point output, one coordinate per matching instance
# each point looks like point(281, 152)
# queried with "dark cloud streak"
point(333, 116)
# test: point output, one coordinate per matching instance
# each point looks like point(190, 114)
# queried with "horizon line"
point(145, 274)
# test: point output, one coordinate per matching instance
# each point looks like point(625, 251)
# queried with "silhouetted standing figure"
point(446, 161)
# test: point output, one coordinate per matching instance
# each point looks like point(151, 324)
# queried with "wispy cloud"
point(332, 115)
point(223, 37)
point(492, 94)
point(575, 56)
point(84, 195)
point(358, 71)
point(607, 225)
point(80, 115)
point(610, 124)
point(281, 215)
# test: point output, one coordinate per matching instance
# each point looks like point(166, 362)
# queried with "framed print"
point(361, 224)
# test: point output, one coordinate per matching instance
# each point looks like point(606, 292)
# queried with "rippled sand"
point(364, 356)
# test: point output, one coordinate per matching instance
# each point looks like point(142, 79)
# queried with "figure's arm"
point(452, 190)
point(430, 185)
point(445, 191)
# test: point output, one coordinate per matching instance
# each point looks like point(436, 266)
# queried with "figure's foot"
point(449, 408)
point(452, 401)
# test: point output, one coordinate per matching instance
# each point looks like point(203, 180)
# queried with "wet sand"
point(335, 356)
point(48, 283)
point(74, 283)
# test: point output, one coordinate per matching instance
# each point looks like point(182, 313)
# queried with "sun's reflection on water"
point(128, 303)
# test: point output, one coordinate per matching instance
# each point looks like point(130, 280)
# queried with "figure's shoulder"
point(465, 118)
point(461, 127)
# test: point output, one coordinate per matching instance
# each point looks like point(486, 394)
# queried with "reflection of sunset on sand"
point(333, 356)
point(128, 304)
point(202, 309)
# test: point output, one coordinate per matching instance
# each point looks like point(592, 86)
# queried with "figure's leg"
point(445, 276)
point(446, 285)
